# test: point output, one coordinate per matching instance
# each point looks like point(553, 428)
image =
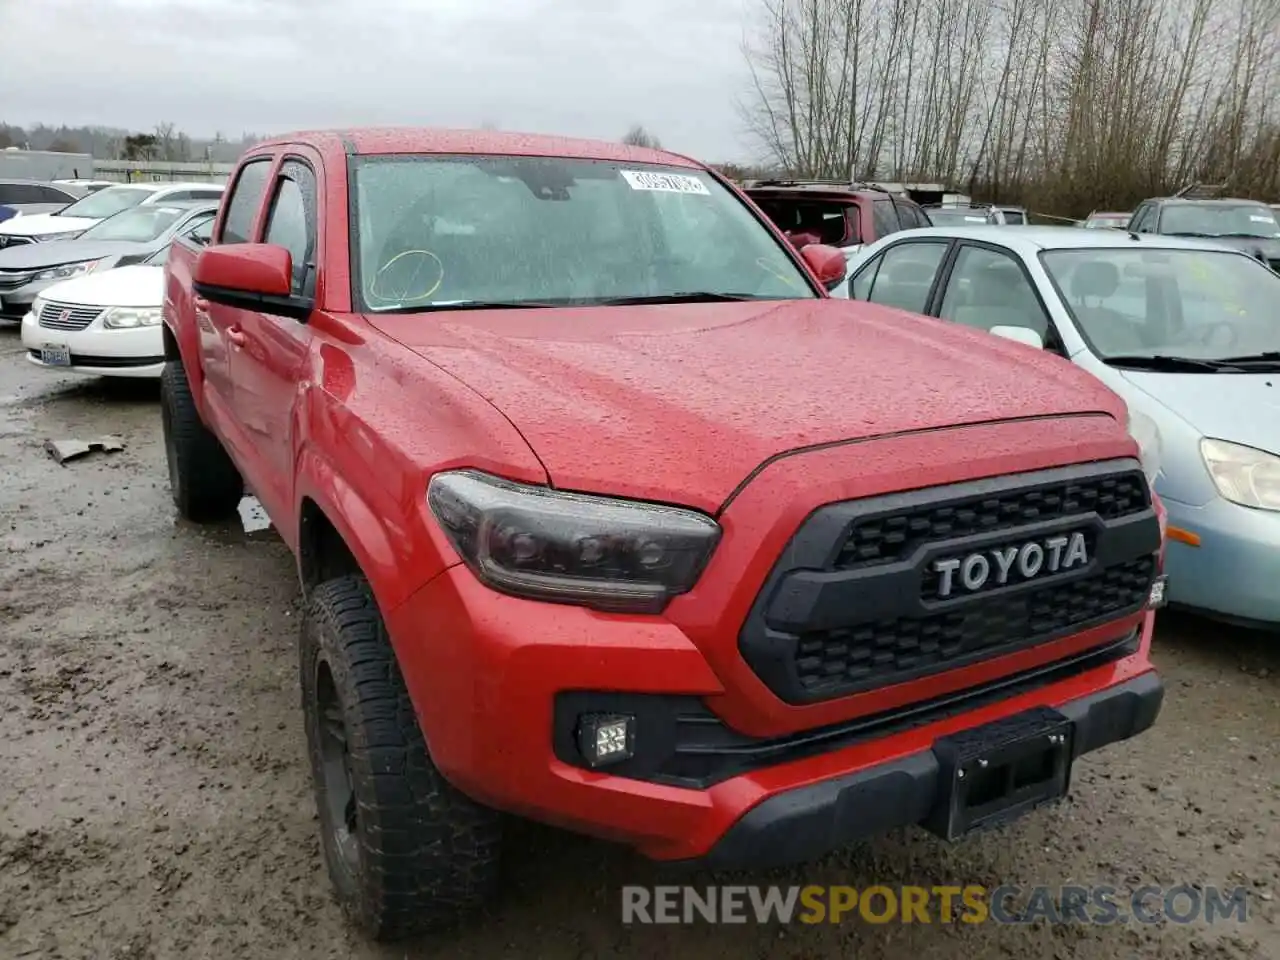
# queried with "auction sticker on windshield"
point(663, 182)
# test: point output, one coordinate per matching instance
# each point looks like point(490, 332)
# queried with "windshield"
point(105, 202)
point(1202, 304)
point(956, 216)
point(1214, 220)
point(447, 231)
point(140, 224)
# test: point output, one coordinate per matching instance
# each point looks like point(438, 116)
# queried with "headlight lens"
point(1243, 475)
point(598, 552)
point(1146, 435)
point(68, 235)
point(67, 270)
point(119, 318)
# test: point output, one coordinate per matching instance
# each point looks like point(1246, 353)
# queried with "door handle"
point(236, 336)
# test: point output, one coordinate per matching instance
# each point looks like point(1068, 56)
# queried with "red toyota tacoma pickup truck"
point(608, 516)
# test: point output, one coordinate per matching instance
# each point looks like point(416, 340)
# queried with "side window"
point(990, 289)
point(208, 194)
point(860, 285)
point(884, 218)
point(199, 230)
point(24, 193)
point(291, 223)
point(906, 275)
point(909, 215)
point(54, 195)
point(178, 195)
point(1142, 219)
point(246, 195)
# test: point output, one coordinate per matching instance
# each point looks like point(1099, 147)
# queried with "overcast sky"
point(578, 67)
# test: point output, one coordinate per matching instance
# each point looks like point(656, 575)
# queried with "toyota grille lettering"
point(1053, 555)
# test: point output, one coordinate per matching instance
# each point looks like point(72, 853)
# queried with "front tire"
point(205, 484)
point(406, 852)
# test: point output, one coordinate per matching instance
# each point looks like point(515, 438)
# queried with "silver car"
point(1187, 331)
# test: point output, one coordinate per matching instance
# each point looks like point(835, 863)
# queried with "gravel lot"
point(154, 802)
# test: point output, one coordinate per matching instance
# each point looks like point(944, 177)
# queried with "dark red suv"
point(839, 215)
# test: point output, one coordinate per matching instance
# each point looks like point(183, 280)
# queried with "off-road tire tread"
point(208, 487)
point(430, 854)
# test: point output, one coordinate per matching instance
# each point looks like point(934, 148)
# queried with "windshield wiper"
point(1173, 364)
point(467, 305)
point(1267, 358)
point(1250, 236)
point(688, 296)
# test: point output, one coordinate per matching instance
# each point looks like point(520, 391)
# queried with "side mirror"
point(251, 276)
point(827, 263)
point(1020, 335)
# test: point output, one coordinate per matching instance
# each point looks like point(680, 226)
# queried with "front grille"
point(893, 535)
point(65, 316)
point(857, 602)
point(885, 649)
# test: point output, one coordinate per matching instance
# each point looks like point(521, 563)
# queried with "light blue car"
point(1185, 330)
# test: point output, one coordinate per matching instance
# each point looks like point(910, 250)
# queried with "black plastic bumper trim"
point(804, 824)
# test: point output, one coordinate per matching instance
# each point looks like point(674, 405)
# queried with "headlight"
point(1243, 474)
point(67, 270)
point(68, 235)
point(118, 318)
point(598, 552)
point(1146, 435)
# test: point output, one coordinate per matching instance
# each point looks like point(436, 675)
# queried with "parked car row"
point(84, 278)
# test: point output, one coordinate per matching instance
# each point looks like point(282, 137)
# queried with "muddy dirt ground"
point(154, 804)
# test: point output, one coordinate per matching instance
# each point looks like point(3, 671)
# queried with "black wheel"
point(205, 484)
point(407, 853)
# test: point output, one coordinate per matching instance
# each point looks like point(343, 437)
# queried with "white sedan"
point(104, 324)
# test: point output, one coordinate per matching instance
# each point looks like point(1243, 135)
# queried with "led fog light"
point(605, 738)
point(1156, 598)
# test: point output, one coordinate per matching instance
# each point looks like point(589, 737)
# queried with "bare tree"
point(1064, 104)
point(638, 136)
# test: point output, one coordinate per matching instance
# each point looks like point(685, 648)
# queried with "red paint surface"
point(759, 412)
point(249, 267)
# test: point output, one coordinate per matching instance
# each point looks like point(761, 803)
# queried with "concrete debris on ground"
point(64, 450)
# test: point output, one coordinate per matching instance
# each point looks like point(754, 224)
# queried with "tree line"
point(1063, 105)
point(163, 142)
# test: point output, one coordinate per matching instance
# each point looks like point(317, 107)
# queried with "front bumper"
point(485, 670)
point(1234, 569)
point(135, 352)
point(804, 824)
point(16, 303)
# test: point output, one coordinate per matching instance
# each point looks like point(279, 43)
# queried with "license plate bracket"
point(997, 772)
point(55, 355)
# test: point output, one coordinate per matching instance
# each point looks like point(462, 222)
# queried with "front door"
point(219, 324)
point(271, 360)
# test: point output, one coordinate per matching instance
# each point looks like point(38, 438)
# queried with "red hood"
point(679, 403)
